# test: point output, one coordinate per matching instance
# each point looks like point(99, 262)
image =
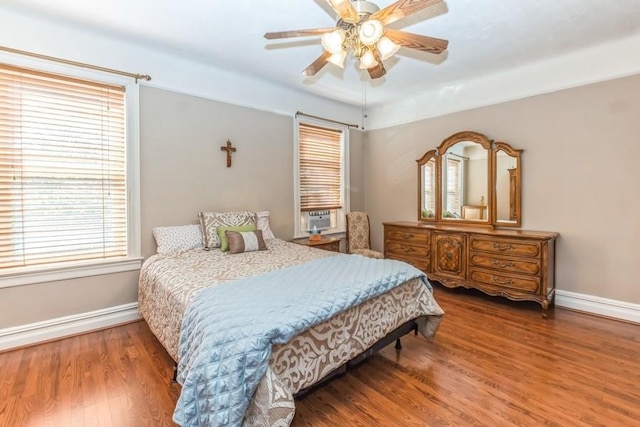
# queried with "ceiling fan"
point(362, 31)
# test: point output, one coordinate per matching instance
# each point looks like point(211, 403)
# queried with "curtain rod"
point(78, 64)
point(300, 113)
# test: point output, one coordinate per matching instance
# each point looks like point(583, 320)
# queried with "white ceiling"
point(486, 37)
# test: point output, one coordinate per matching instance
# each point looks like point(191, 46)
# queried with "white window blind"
point(62, 169)
point(429, 185)
point(453, 185)
point(321, 163)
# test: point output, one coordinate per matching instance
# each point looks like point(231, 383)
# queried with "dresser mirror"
point(470, 179)
point(465, 182)
point(427, 183)
point(507, 184)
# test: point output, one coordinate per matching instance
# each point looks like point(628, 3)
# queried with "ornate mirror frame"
point(431, 162)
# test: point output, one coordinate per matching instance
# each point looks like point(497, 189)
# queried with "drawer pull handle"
point(501, 282)
point(406, 235)
point(505, 264)
point(408, 249)
point(505, 247)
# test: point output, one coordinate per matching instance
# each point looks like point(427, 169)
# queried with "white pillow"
point(262, 223)
point(172, 240)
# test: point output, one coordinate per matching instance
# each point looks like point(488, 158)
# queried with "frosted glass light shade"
point(370, 31)
point(368, 60)
point(387, 48)
point(338, 58)
point(332, 41)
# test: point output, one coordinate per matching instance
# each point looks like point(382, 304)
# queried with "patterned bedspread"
point(168, 283)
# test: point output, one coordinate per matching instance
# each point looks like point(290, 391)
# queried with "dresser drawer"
point(505, 265)
point(405, 249)
point(521, 283)
point(407, 235)
point(419, 263)
point(505, 246)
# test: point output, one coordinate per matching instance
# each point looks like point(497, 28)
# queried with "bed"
point(169, 283)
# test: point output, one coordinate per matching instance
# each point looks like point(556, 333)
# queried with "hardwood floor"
point(493, 363)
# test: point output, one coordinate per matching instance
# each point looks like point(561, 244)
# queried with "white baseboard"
point(597, 305)
point(61, 327)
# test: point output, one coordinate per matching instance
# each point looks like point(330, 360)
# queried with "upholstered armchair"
point(358, 237)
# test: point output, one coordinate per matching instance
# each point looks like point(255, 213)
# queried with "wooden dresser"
point(516, 264)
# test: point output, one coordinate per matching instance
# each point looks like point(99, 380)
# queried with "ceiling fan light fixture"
point(368, 60)
point(387, 48)
point(370, 31)
point(333, 41)
point(338, 58)
point(362, 32)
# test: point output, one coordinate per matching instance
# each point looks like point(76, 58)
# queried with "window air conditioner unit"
point(320, 220)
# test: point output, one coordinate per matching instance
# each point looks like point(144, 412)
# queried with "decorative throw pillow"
point(224, 244)
point(262, 223)
point(172, 240)
point(210, 221)
point(245, 241)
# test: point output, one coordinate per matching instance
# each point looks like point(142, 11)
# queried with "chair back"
point(358, 236)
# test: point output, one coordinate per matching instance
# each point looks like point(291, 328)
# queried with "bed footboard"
point(395, 335)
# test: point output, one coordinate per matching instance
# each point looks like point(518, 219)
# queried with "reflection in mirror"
point(427, 187)
point(428, 172)
point(507, 197)
point(465, 175)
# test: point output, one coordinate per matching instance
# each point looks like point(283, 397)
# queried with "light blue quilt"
point(228, 329)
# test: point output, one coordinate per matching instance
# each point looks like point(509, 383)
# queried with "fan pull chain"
point(364, 99)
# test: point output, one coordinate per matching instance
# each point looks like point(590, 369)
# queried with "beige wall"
point(21, 305)
point(183, 172)
point(580, 176)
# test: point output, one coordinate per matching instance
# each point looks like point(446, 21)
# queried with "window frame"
point(78, 269)
point(340, 214)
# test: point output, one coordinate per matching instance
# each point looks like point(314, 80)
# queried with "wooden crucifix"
point(229, 149)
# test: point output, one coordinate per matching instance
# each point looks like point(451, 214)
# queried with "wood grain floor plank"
point(493, 362)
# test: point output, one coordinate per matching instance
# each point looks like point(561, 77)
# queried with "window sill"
point(68, 271)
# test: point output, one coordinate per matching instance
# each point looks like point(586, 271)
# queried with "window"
point(321, 171)
point(63, 171)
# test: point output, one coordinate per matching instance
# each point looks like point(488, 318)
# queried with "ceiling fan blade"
point(415, 41)
point(377, 71)
point(345, 10)
point(400, 9)
point(317, 65)
point(298, 33)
